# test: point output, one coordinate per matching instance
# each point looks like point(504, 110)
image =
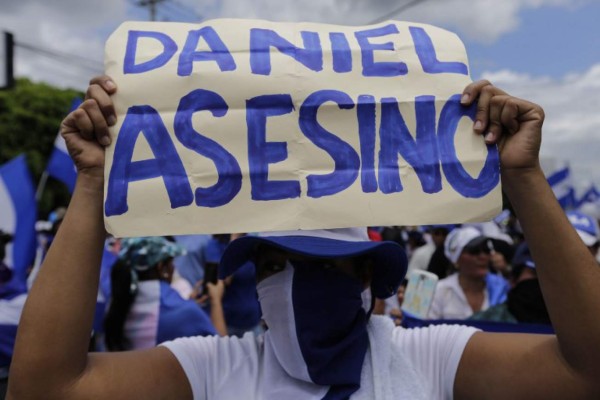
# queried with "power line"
point(181, 10)
point(66, 58)
point(187, 9)
point(171, 9)
point(151, 4)
point(396, 11)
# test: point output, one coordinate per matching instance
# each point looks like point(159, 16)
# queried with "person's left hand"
point(515, 125)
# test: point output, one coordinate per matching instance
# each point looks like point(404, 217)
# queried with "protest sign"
point(244, 125)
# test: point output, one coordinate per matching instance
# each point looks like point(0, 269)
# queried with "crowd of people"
point(486, 270)
point(297, 314)
point(486, 273)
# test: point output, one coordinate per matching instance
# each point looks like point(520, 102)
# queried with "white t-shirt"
point(409, 364)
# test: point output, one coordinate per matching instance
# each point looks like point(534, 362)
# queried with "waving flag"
point(592, 195)
point(104, 290)
point(61, 165)
point(18, 213)
point(560, 182)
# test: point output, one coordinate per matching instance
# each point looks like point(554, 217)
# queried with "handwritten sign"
point(242, 125)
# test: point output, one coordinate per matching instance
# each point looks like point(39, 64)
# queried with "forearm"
point(569, 275)
point(55, 328)
point(218, 317)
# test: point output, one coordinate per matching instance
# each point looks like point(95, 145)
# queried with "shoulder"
point(433, 340)
point(200, 349)
point(435, 353)
point(248, 345)
point(212, 361)
point(434, 334)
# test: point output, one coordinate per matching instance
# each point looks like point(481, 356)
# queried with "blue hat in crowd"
point(586, 227)
point(389, 258)
point(213, 250)
point(143, 253)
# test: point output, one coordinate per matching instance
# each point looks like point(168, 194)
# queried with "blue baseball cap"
point(389, 258)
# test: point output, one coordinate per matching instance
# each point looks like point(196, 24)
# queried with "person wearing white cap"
point(472, 288)
point(350, 355)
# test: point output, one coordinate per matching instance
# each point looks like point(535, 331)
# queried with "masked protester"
point(320, 342)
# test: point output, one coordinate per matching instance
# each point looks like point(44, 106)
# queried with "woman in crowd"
point(436, 362)
point(144, 310)
point(472, 288)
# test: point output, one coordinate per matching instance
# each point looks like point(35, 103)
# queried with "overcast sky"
point(547, 51)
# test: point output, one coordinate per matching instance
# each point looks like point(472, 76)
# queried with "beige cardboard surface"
point(149, 210)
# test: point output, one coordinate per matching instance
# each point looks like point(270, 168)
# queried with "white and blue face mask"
point(317, 325)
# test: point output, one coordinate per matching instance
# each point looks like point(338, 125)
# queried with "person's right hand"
point(85, 130)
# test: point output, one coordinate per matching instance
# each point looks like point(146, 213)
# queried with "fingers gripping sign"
point(515, 125)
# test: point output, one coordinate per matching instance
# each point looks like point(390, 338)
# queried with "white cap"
point(458, 239)
point(491, 230)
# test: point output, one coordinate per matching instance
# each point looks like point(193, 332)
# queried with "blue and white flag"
point(560, 182)
point(592, 195)
point(160, 314)
point(61, 166)
point(104, 290)
point(18, 213)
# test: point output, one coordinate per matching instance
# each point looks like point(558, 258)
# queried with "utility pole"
point(151, 4)
point(7, 44)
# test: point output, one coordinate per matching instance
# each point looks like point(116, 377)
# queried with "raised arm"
point(217, 316)
point(51, 359)
point(507, 366)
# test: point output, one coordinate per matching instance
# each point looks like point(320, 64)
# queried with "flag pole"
point(41, 186)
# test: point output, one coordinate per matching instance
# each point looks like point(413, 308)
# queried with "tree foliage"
point(30, 116)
